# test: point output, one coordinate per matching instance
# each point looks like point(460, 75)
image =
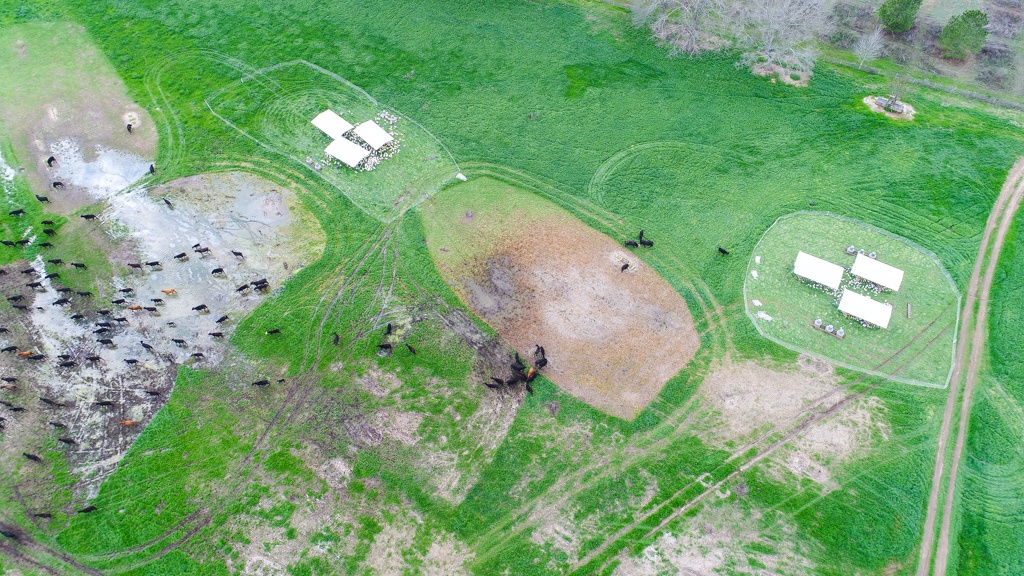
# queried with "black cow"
point(723, 251)
point(238, 254)
point(34, 284)
point(337, 338)
point(222, 319)
point(261, 383)
point(43, 515)
point(88, 216)
point(152, 169)
point(103, 312)
point(217, 334)
point(50, 161)
point(15, 298)
point(42, 198)
point(93, 358)
point(7, 243)
point(131, 361)
point(200, 308)
point(157, 300)
point(84, 293)
point(632, 243)
point(58, 185)
point(68, 441)
point(106, 341)
point(624, 267)
point(46, 245)
point(640, 236)
point(103, 403)
point(32, 457)
point(77, 316)
point(47, 222)
point(50, 402)
point(119, 301)
point(181, 256)
point(198, 355)
point(121, 319)
point(49, 231)
point(178, 341)
point(79, 265)
point(17, 212)
point(146, 346)
point(242, 288)
point(154, 263)
point(274, 331)
point(87, 509)
point(126, 290)
point(411, 349)
point(68, 364)
point(51, 276)
point(149, 308)
point(135, 266)
point(542, 362)
point(57, 424)
point(129, 128)
point(56, 261)
point(37, 357)
point(217, 271)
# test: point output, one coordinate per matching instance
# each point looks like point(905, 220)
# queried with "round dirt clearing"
point(538, 275)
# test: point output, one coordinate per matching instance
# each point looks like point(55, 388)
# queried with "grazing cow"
point(87, 509)
point(68, 364)
point(63, 290)
point(169, 291)
point(88, 216)
point(222, 319)
point(9, 533)
point(79, 265)
point(624, 267)
point(217, 271)
point(126, 423)
point(10, 349)
point(126, 290)
point(23, 242)
point(121, 319)
point(20, 307)
point(93, 358)
point(57, 424)
point(9, 379)
point(34, 284)
point(56, 261)
point(64, 356)
point(51, 276)
point(58, 185)
point(647, 243)
point(129, 128)
point(517, 367)
point(28, 271)
point(135, 266)
point(178, 341)
point(337, 338)
point(411, 349)
point(47, 222)
point(492, 386)
point(203, 250)
point(389, 329)
point(49, 231)
point(640, 236)
point(260, 282)
point(6, 403)
point(384, 346)
point(181, 256)
point(43, 515)
point(103, 312)
point(542, 362)
point(274, 331)
point(84, 293)
point(10, 387)
point(152, 169)
point(119, 301)
point(238, 254)
point(149, 308)
point(68, 441)
point(200, 308)
point(25, 354)
point(77, 316)
point(50, 402)
point(196, 245)
point(723, 251)
point(242, 288)
point(103, 403)
point(37, 357)
point(42, 198)
point(152, 392)
point(146, 346)
point(157, 301)
point(153, 264)
point(198, 355)
point(131, 361)
point(135, 308)
point(32, 457)
point(529, 389)
point(632, 243)
point(217, 334)
point(3, 330)
point(7, 243)
point(18, 212)
point(106, 341)
point(261, 383)
point(15, 298)
point(46, 245)
point(50, 161)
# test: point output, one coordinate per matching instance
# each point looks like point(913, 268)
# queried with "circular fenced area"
point(916, 345)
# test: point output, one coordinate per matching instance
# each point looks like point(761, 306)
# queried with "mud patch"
point(613, 335)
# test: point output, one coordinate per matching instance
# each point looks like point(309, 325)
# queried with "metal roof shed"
point(867, 309)
point(347, 151)
point(331, 124)
point(373, 134)
point(817, 270)
point(878, 272)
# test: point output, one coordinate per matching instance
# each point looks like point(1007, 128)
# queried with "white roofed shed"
point(867, 309)
point(878, 272)
point(347, 151)
point(331, 124)
point(817, 270)
point(373, 134)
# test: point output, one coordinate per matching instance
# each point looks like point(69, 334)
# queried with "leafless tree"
point(682, 23)
point(781, 32)
point(868, 46)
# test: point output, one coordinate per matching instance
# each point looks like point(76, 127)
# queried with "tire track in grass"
point(999, 220)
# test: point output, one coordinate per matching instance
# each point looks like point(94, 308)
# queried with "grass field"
point(361, 463)
point(917, 347)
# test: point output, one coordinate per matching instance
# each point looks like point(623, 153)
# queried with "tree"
point(898, 15)
point(682, 23)
point(868, 46)
point(781, 32)
point(963, 35)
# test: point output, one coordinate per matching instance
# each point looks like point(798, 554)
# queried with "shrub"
point(898, 15)
point(963, 35)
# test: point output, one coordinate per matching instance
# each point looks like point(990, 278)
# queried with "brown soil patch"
point(612, 338)
point(907, 115)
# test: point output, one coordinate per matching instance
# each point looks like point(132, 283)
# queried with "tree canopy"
point(963, 35)
point(898, 15)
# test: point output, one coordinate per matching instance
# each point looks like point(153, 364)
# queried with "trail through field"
point(999, 221)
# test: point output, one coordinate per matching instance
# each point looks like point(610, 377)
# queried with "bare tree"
point(868, 46)
point(682, 23)
point(781, 32)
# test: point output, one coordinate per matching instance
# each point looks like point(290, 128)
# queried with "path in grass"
point(978, 291)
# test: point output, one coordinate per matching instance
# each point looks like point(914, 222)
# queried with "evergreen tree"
point(898, 15)
point(963, 35)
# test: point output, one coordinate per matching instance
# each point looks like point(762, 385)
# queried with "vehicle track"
point(972, 350)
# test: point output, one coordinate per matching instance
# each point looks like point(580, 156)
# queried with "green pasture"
point(275, 106)
point(916, 348)
point(569, 102)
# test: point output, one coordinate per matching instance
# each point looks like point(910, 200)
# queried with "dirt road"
point(970, 348)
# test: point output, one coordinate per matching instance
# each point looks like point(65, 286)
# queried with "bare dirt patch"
point(612, 337)
point(908, 113)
